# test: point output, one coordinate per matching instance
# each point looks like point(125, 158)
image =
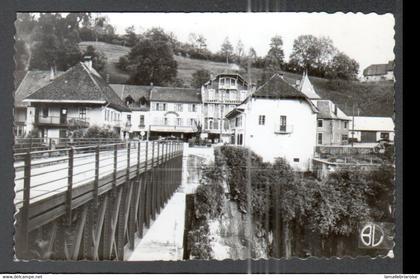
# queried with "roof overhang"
point(234, 113)
point(65, 101)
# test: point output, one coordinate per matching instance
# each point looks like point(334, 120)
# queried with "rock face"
point(233, 235)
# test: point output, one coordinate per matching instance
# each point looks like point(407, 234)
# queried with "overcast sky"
point(368, 38)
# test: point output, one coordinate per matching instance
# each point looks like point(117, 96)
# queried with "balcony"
point(228, 86)
point(283, 129)
point(59, 121)
point(173, 128)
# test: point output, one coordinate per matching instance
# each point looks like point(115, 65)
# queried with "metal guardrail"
point(23, 145)
point(49, 186)
point(47, 172)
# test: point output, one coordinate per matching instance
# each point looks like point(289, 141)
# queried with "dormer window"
point(129, 100)
point(227, 82)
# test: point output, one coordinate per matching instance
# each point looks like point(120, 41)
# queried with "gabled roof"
point(277, 88)
point(135, 91)
point(306, 87)
point(378, 69)
point(175, 95)
point(370, 123)
point(31, 82)
point(328, 110)
point(78, 85)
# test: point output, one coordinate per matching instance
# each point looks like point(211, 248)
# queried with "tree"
point(151, 60)
point(55, 43)
point(239, 51)
point(343, 67)
point(227, 49)
point(22, 56)
point(130, 37)
point(274, 60)
point(200, 77)
point(312, 53)
point(98, 58)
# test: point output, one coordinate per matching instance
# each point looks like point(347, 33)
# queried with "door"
point(368, 136)
point(63, 116)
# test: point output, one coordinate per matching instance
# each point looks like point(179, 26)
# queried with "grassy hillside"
point(370, 99)
point(186, 66)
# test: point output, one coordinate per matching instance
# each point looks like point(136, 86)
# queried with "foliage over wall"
point(94, 132)
point(208, 205)
point(332, 207)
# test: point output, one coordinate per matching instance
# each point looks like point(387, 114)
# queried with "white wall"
point(358, 135)
point(157, 117)
point(262, 139)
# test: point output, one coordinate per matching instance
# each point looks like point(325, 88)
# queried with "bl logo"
point(375, 235)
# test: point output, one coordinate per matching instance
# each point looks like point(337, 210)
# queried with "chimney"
point(107, 78)
point(52, 73)
point(297, 83)
point(87, 60)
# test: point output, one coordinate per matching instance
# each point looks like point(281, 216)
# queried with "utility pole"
point(352, 124)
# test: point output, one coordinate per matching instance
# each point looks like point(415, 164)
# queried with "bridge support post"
point(69, 194)
point(153, 184)
point(22, 233)
point(158, 180)
point(147, 188)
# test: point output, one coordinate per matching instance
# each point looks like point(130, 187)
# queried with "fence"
point(134, 178)
point(23, 145)
point(343, 150)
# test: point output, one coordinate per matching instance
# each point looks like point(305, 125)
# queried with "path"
point(164, 239)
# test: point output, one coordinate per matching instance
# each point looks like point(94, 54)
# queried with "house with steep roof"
point(332, 124)
point(76, 99)
point(221, 94)
point(25, 86)
point(277, 121)
point(369, 129)
point(137, 99)
point(379, 72)
point(305, 86)
point(174, 112)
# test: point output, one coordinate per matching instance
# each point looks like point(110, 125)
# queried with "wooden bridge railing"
point(89, 202)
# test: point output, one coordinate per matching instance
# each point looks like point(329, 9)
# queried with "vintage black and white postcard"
point(210, 136)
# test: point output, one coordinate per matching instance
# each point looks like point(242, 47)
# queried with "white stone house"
point(277, 121)
point(77, 99)
point(370, 129)
point(27, 84)
point(332, 122)
point(174, 112)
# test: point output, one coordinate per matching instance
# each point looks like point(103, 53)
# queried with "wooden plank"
point(79, 233)
point(98, 229)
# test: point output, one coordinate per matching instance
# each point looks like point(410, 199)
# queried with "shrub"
point(98, 132)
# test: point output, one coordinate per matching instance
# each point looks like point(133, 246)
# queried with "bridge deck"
point(49, 175)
